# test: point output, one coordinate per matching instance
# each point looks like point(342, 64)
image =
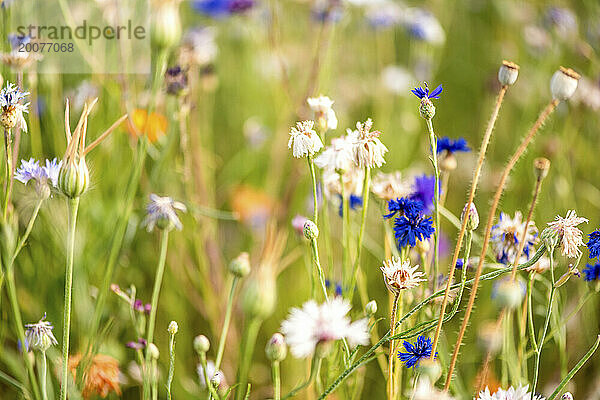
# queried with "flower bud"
point(509, 294)
point(9, 118)
point(201, 344)
point(426, 108)
point(310, 230)
point(276, 348)
point(166, 24)
point(567, 396)
point(73, 178)
point(240, 266)
point(173, 328)
point(550, 238)
point(430, 369)
point(153, 351)
point(473, 219)
point(508, 73)
point(541, 166)
point(564, 83)
point(371, 308)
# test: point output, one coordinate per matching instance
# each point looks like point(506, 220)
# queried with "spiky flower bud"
point(73, 178)
point(201, 344)
point(371, 308)
point(426, 108)
point(311, 231)
point(153, 351)
point(276, 349)
point(541, 166)
point(550, 238)
point(508, 73)
point(173, 328)
point(473, 219)
point(564, 83)
point(240, 266)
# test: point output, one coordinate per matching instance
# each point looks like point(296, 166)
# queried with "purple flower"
point(31, 170)
point(424, 192)
point(423, 92)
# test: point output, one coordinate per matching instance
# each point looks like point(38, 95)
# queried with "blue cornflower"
point(417, 352)
point(354, 202)
point(460, 263)
point(423, 92)
point(424, 191)
point(10, 97)
point(32, 170)
point(17, 40)
point(403, 205)
point(221, 8)
point(593, 244)
point(452, 146)
point(409, 228)
point(592, 272)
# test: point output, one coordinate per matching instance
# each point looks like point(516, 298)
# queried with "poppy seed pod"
point(508, 73)
point(564, 83)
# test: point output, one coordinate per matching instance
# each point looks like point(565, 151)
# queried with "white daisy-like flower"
point(324, 114)
point(571, 237)
point(368, 149)
point(162, 213)
point(426, 391)
point(315, 324)
point(399, 275)
point(304, 140)
point(338, 156)
point(353, 181)
point(520, 393)
point(390, 186)
point(507, 235)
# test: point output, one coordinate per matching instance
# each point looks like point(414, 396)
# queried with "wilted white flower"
point(338, 156)
point(569, 235)
point(399, 275)
point(304, 140)
point(368, 149)
point(520, 393)
point(389, 186)
point(162, 213)
point(315, 324)
point(507, 235)
point(353, 181)
point(324, 114)
point(39, 336)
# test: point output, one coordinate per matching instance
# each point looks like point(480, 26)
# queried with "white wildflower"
point(324, 114)
point(368, 149)
point(399, 275)
point(570, 236)
point(304, 140)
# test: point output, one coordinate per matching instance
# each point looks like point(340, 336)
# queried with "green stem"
point(363, 223)
point(43, 376)
point(315, 367)
point(160, 270)
point(171, 365)
point(154, 379)
point(530, 312)
point(211, 390)
point(575, 369)
point(538, 354)
point(9, 172)
point(311, 166)
point(73, 208)
point(390, 384)
point(345, 233)
point(27, 230)
point(436, 200)
point(275, 371)
point(315, 257)
point(248, 350)
point(226, 322)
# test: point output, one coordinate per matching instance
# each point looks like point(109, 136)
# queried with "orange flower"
point(252, 205)
point(102, 375)
point(153, 127)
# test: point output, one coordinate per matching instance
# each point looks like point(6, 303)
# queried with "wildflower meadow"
point(311, 199)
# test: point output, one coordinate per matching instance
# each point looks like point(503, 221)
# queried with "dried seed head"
point(541, 166)
point(564, 83)
point(508, 73)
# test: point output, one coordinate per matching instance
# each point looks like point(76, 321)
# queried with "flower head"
point(452, 146)
point(368, 149)
point(153, 126)
point(403, 205)
point(12, 107)
point(102, 376)
point(422, 92)
point(338, 156)
point(569, 235)
point(222, 8)
point(324, 114)
point(415, 352)
point(411, 227)
point(520, 393)
point(592, 272)
point(39, 335)
point(507, 235)
point(390, 186)
point(162, 213)
point(424, 191)
point(593, 244)
point(304, 140)
point(315, 324)
point(399, 275)
point(31, 170)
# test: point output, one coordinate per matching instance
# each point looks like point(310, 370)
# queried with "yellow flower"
point(153, 127)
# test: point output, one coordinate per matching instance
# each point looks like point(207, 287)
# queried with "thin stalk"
point(43, 374)
point(154, 379)
point(492, 214)
point(311, 167)
point(171, 364)
point(248, 349)
point(226, 322)
point(8, 172)
point(363, 223)
point(538, 353)
point(73, 208)
point(390, 382)
point(160, 270)
point(211, 390)
point(275, 372)
point(345, 233)
point(315, 257)
point(436, 201)
point(530, 312)
point(474, 182)
point(315, 367)
point(27, 230)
